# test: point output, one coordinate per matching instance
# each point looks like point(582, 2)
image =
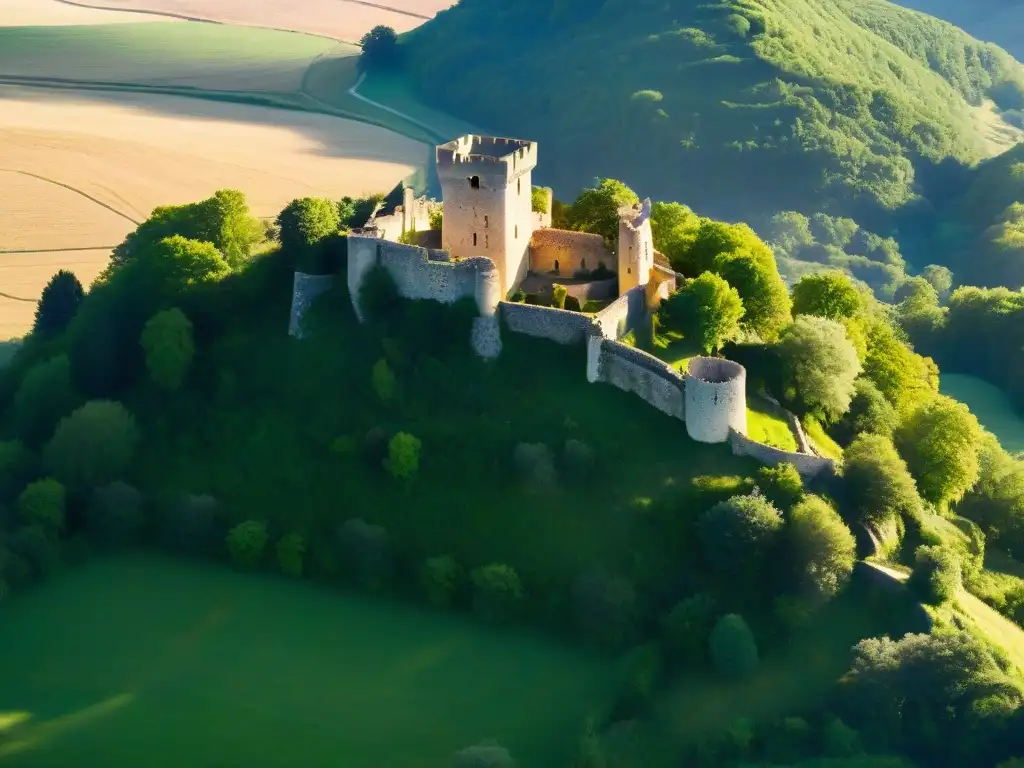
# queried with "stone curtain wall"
point(624, 314)
point(572, 251)
point(557, 325)
point(417, 277)
point(593, 290)
point(633, 370)
point(716, 399)
point(305, 288)
point(808, 465)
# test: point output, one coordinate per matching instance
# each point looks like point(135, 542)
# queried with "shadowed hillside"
point(743, 107)
point(997, 21)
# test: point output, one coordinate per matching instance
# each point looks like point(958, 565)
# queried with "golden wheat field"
point(120, 155)
point(340, 19)
point(51, 13)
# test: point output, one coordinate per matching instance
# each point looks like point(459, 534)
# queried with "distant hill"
point(741, 108)
point(995, 21)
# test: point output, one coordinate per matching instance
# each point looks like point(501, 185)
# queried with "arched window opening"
point(487, 241)
point(474, 182)
point(474, 238)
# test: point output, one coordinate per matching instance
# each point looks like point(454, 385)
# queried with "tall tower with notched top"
point(486, 184)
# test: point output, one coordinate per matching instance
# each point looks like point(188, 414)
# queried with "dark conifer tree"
point(58, 303)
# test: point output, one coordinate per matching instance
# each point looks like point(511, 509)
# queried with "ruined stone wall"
point(633, 370)
point(422, 274)
point(592, 290)
point(558, 325)
point(808, 465)
point(305, 288)
point(568, 251)
point(716, 399)
point(624, 314)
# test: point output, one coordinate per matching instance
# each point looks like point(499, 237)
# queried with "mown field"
point(48, 13)
point(96, 130)
point(218, 666)
point(341, 19)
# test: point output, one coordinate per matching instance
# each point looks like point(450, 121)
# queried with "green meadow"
point(220, 668)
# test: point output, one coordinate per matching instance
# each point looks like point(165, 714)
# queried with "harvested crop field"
point(340, 19)
point(132, 152)
point(208, 56)
point(49, 13)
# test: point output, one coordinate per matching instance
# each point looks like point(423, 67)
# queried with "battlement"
point(486, 155)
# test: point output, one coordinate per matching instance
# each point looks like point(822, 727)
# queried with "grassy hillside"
point(997, 21)
point(742, 107)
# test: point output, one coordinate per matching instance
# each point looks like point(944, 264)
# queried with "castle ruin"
point(492, 244)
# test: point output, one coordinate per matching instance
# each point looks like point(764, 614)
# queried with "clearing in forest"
point(237, 664)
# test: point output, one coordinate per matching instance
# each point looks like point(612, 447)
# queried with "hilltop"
point(742, 108)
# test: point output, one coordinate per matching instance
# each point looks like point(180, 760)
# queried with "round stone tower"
point(716, 399)
point(486, 333)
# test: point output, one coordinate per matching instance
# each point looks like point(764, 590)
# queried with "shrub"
point(579, 458)
point(114, 516)
point(786, 741)
point(37, 551)
point(92, 446)
point(733, 648)
point(497, 592)
point(559, 293)
point(247, 542)
point(641, 673)
point(487, 754)
point(403, 461)
point(167, 341)
point(781, 485)
point(42, 504)
point(384, 383)
point(838, 739)
point(877, 484)
point(439, 578)
point(539, 199)
point(305, 224)
point(604, 607)
point(535, 464)
point(43, 397)
point(190, 525)
point(822, 548)
point(15, 467)
point(936, 576)
point(291, 548)
point(365, 552)
point(687, 628)
point(739, 536)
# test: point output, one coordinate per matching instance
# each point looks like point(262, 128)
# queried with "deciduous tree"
point(733, 648)
point(826, 294)
point(92, 446)
point(597, 208)
point(940, 442)
point(877, 484)
point(822, 364)
point(167, 341)
point(58, 303)
point(822, 547)
point(381, 51)
point(765, 297)
point(706, 309)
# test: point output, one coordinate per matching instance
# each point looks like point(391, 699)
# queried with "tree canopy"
point(822, 364)
point(706, 309)
point(596, 209)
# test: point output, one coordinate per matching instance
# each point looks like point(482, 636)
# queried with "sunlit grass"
point(766, 427)
point(820, 439)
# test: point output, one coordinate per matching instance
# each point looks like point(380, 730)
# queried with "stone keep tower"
point(486, 185)
point(636, 246)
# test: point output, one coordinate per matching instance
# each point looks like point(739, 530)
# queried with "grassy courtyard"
point(219, 666)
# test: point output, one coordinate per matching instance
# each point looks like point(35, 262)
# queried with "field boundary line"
point(354, 92)
point(16, 298)
point(58, 250)
point(86, 195)
point(185, 17)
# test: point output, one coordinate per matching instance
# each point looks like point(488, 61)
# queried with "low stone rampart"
point(624, 314)
point(305, 288)
point(808, 465)
point(558, 325)
point(633, 370)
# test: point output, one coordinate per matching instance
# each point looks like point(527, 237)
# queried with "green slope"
point(998, 21)
point(741, 107)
